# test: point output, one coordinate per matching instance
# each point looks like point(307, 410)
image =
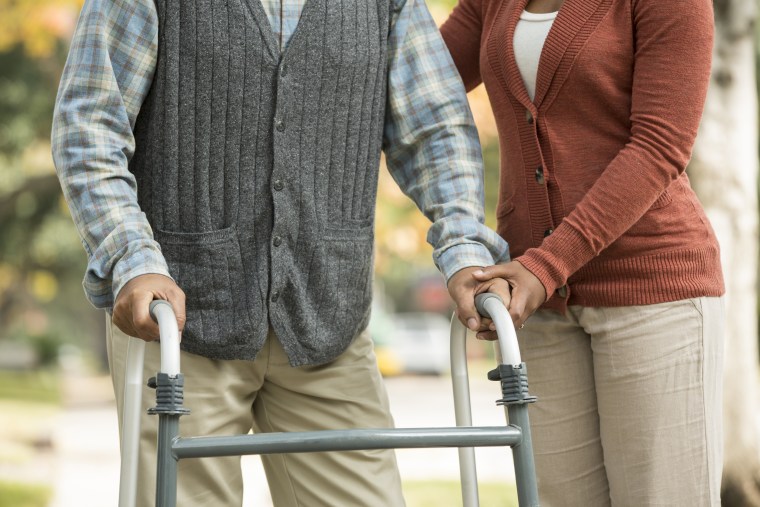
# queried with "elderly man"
point(223, 155)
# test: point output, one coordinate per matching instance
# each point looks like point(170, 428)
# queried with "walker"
point(168, 382)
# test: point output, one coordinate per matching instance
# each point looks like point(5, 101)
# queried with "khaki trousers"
point(268, 395)
point(629, 404)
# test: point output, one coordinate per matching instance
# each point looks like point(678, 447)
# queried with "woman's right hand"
point(527, 291)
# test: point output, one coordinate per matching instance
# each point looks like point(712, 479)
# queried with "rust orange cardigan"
point(594, 199)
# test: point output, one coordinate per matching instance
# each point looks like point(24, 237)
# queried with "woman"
point(597, 104)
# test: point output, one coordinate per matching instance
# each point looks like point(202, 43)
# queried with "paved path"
point(86, 470)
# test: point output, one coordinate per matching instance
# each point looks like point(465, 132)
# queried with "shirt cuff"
point(143, 261)
point(459, 257)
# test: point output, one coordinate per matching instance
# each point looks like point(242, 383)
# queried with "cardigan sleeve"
point(461, 32)
point(673, 50)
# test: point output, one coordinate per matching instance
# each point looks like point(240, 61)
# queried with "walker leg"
point(169, 408)
point(166, 485)
point(522, 454)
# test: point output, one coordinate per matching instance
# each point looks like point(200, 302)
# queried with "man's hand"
point(131, 311)
point(462, 287)
point(501, 288)
point(528, 293)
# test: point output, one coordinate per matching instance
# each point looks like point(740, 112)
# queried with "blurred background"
point(58, 437)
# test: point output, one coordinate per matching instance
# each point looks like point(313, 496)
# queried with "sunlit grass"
point(30, 386)
point(23, 495)
point(449, 494)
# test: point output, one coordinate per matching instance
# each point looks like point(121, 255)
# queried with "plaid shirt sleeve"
point(432, 147)
point(106, 78)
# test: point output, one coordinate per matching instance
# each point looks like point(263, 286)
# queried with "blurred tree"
point(41, 260)
point(724, 172)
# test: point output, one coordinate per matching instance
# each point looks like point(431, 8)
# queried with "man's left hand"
point(462, 289)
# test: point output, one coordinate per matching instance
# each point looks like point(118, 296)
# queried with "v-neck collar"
point(261, 18)
point(571, 18)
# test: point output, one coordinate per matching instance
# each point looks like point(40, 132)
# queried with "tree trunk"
point(724, 172)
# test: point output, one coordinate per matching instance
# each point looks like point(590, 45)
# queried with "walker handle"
point(491, 305)
point(163, 313)
point(134, 381)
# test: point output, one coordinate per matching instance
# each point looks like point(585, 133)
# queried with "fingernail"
point(478, 272)
point(472, 323)
point(492, 327)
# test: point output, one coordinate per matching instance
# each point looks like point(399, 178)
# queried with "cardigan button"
point(562, 291)
point(529, 117)
point(540, 175)
point(548, 231)
point(278, 185)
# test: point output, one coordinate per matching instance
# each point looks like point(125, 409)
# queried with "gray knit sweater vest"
point(258, 171)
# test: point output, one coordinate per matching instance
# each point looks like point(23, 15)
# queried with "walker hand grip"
point(163, 313)
point(491, 305)
point(480, 302)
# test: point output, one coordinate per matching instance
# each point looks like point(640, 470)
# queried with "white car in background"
point(412, 343)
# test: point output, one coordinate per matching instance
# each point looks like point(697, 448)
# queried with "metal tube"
point(130, 422)
point(345, 440)
point(510, 351)
point(167, 324)
point(522, 454)
point(463, 411)
point(166, 477)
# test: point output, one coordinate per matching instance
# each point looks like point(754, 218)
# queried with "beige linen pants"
point(268, 395)
point(629, 404)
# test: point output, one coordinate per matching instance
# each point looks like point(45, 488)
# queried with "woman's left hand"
point(528, 293)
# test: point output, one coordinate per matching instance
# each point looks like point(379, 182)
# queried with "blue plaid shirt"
point(431, 144)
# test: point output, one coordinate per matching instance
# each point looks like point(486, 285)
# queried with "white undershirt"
point(530, 36)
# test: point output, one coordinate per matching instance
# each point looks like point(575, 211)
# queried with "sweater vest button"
point(277, 241)
point(540, 175)
point(275, 296)
point(278, 185)
point(280, 126)
point(283, 70)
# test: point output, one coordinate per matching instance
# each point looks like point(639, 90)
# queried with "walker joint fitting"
point(514, 384)
point(169, 394)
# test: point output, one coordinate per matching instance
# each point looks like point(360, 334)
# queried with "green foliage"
point(23, 495)
point(41, 257)
point(449, 493)
point(40, 386)
point(27, 96)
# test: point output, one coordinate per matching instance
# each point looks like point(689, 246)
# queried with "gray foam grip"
point(480, 301)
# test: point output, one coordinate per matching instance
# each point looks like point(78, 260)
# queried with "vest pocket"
point(347, 283)
point(360, 229)
point(208, 267)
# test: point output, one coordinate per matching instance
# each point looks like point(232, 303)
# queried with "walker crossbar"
point(345, 440)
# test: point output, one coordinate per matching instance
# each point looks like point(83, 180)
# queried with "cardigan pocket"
point(662, 201)
point(505, 207)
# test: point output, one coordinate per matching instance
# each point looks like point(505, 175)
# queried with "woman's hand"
point(501, 288)
point(527, 291)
